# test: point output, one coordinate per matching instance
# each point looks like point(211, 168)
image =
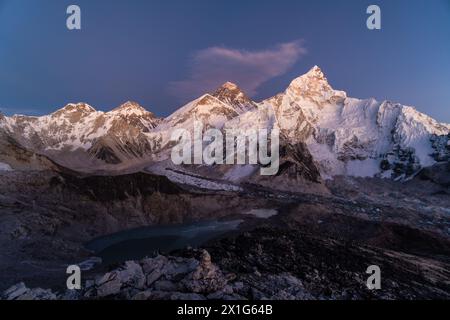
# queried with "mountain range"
point(324, 133)
point(360, 183)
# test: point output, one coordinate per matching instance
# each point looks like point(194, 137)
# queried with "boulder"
point(38, 294)
point(109, 284)
point(176, 270)
point(151, 264)
point(21, 292)
point(131, 275)
point(15, 291)
point(153, 276)
point(165, 285)
point(143, 295)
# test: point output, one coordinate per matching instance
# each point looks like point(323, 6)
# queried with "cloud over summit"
point(211, 67)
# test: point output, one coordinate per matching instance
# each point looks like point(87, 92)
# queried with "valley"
point(48, 218)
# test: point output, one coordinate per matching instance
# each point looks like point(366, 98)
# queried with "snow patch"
point(5, 167)
point(239, 172)
point(363, 168)
point(186, 178)
point(262, 213)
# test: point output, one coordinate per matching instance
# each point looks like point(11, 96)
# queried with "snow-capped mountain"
point(78, 132)
point(322, 131)
point(13, 156)
point(232, 95)
point(207, 109)
point(348, 136)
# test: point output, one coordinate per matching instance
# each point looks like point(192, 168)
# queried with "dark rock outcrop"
point(297, 162)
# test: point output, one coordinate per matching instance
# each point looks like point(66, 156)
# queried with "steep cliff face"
point(297, 162)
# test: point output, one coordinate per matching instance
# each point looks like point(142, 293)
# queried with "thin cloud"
point(211, 67)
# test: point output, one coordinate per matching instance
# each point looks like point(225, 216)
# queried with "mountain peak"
point(80, 108)
point(316, 72)
point(130, 107)
point(314, 85)
point(230, 86)
point(232, 95)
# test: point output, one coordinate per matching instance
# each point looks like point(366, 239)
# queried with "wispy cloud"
point(211, 67)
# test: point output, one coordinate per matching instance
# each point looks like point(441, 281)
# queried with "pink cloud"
point(211, 67)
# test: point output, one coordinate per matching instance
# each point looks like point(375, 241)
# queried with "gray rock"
point(237, 286)
point(71, 295)
point(187, 296)
point(258, 295)
point(109, 284)
point(151, 264)
point(215, 296)
point(21, 292)
point(132, 275)
point(153, 276)
point(143, 295)
point(280, 287)
point(282, 295)
point(159, 295)
point(228, 289)
point(15, 291)
point(176, 270)
point(165, 285)
point(233, 297)
point(38, 294)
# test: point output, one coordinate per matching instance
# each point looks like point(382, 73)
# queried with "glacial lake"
point(138, 243)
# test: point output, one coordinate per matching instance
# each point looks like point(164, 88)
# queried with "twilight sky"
point(163, 53)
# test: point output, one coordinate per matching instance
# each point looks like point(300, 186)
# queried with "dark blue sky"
point(162, 53)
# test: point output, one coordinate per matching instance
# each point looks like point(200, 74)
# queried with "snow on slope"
point(207, 109)
point(78, 125)
point(233, 96)
point(346, 136)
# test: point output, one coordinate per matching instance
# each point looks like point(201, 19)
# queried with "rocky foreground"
point(316, 247)
point(262, 264)
point(162, 277)
point(170, 278)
